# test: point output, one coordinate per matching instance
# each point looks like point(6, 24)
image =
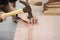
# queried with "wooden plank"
point(48, 28)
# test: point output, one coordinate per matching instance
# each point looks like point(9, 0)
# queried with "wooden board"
point(48, 28)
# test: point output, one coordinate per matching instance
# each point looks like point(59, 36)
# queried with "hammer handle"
point(20, 11)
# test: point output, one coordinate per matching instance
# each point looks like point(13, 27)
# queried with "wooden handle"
point(20, 11)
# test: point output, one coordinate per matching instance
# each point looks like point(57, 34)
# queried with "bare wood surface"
point(48, 28)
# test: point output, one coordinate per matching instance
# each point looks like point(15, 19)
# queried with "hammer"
point(26, 9)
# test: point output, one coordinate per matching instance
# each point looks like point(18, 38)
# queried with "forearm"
point(26, 9)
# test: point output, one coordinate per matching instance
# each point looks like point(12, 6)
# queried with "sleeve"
point(4, 2)
point(12, 0)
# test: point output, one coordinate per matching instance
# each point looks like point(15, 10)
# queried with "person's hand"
point(33, 20)
point(2, 18)
point(24, 17)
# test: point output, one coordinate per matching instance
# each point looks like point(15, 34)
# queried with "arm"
point(26, 9)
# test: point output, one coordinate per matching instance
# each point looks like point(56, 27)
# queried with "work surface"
point(47, 28)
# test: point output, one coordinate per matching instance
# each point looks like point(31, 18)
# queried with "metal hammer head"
point(27, 9)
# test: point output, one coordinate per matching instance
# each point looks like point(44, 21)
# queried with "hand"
point(24, 17)
point(33, 20)
point(2, 18)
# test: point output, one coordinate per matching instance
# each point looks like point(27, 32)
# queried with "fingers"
point(33, 20)
point(24, 18)
point(30, 21)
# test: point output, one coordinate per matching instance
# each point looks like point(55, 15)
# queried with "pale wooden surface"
point(47, 28)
